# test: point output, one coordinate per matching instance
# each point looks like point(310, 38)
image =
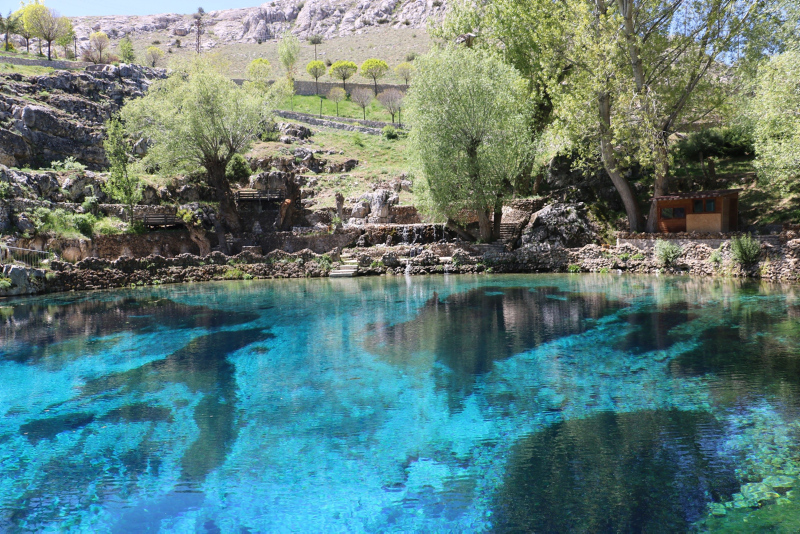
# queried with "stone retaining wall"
point(712, 242)
point(315, 121)
point(55, 64)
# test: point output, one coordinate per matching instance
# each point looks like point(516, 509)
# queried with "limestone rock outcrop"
point(61, 115)
point(560, 225)
point(329, 18)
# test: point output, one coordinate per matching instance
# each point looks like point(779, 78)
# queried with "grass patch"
point(347, 109)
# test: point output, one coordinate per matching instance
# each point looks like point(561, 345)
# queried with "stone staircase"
point(347, 269)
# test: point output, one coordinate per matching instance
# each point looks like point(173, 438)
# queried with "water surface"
point(512, 403)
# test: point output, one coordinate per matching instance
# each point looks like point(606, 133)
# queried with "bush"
point(733, 141)
point(91, 205)
point(5, 283)
point(411, 56)
point(358, 139)
point(666, 252)
point(108, 226)
point(389, 132)
point(69, 164)
point(745, 250)
point(62, 223)
point(238, 170)
point(5, 190)
point(716, 257)
point(573, 268)
point(233, 274)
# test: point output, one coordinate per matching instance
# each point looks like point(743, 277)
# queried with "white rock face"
point(330, 18)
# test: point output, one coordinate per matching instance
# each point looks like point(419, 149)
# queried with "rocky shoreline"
point(777, 264)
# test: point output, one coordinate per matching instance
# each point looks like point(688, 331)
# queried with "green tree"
point(776, 114)
point(123, 184)
point(10, 25)
point(198, 117)
point(405, 71)
point(343, 70)
point(316, 69)
point(67, 38)
point(288, 53)
point(126, 52)
point(98, 50)
point(336, 94)
point(315, 40)
point(374, 69)
point(153, 55)
point(258, 72)
point(45, 24)
point(469, 135)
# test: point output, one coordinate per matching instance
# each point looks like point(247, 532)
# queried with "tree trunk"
point(48, 51)
point(635, 222)
point(198, 236)
point(661, 184)
point(498, 219)
point(291, 206)
point(227, 205)
point(485, 226)
point(463, 234)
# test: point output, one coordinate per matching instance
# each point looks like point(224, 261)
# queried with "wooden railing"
point(159, 219)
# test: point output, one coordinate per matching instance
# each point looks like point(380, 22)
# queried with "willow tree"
point(615, 77)
point(198, 117)
point(776, 115)
point(468, 132)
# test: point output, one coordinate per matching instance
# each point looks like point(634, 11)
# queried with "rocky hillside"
point(330, 18)
point(54, 117)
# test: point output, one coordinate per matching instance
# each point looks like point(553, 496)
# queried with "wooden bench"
point(272, 195)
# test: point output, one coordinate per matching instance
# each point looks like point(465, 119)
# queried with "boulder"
point(390, 259)
point(360, 210)
point(564, 225)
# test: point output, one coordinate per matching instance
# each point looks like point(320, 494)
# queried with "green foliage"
point(153, 55)
point(325, 262)
point(233, 274)
point(258, 72)
point(91, 205)
point(288, 53)
point(716, 257)
point(62, 223)
point(358, 139)
point(69, 164)
point(343, 70)
point(374, 69)
point(108, 226)
point(126, 53)
point(624, 256)
point(573, 268)
point(604, 270)
point(376, 265)
point(123, 184)
point(405, 71)
point(715, 142)
point(316, 69)
point(776, 113)
point(389, 132)
point(6, 191)
point(5, 284)
point(666, 252)
point(469, 135)
point(745, 249)
point(238, 170)
point(637, 257)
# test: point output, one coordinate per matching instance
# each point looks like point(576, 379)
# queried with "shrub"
point(604, 270)
point(638, 257)
point(666, 252)
point(62, 223)
point(358, 139)
point(745, 249)
point(389, 132)
point(411, 56)
point(233, 274)
point(574, 268)
point(716, 257)
point(69, 164)
point(238, 170)
point(5, 190)
point(5, 283)
point(91, 205)
point(108, 226)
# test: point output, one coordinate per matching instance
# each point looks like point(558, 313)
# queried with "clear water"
point(552, 403)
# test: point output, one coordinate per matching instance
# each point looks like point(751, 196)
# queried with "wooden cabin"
point(700, 211)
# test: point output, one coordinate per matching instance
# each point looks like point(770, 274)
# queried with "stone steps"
point(348, 269)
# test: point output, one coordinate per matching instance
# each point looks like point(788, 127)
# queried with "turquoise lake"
point(505, 403)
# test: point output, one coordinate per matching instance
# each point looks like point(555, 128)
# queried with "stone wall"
point(55, 64)
point(317, 242)
point(647, 243)
point(167, 243)
point(315, 121)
